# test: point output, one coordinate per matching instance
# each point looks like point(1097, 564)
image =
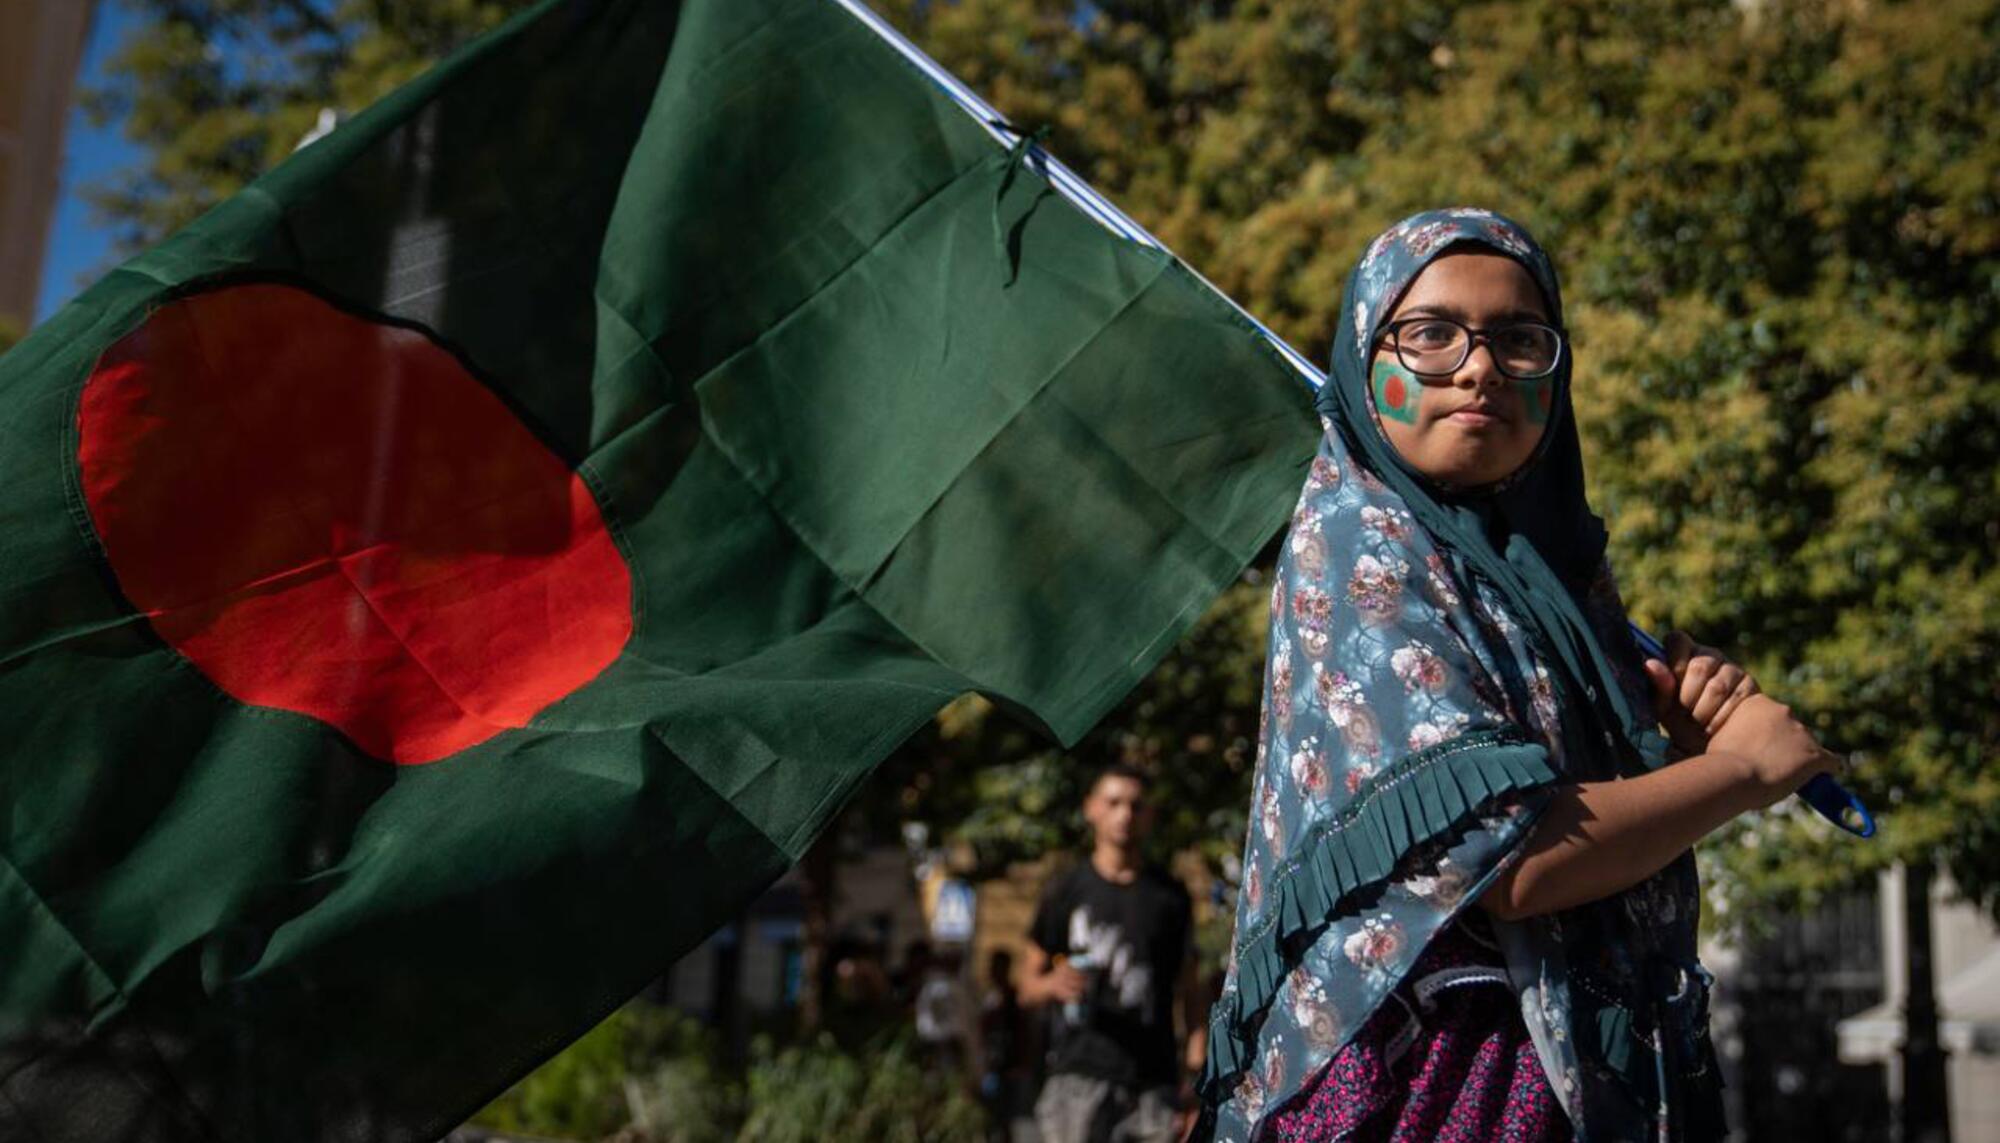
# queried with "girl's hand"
point(1695, 691)
point(1778, 753)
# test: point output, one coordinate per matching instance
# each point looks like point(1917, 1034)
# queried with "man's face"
point(1117, 810)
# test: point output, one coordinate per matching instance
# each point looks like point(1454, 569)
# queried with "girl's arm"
point(1597, 838)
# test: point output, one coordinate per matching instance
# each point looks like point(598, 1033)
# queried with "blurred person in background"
point(1110, 954)
point(943, 1012)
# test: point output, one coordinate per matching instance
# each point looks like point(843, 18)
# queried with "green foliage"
point(650, 1075)
point(215, 92)
point(823, 1093)
point(1779, 223)
point(676, 1091)
point(581, 1092)
point(684, 1099)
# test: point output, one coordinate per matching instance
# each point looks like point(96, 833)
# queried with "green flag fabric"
point(449, 579)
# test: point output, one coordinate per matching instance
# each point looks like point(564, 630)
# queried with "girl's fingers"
point(1680, 648)
point(1743, 691)
point(1699, 670)
point(1720, 686)
point(1663, 683)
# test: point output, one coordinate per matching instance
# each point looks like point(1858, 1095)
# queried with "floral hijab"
point(1438, 662)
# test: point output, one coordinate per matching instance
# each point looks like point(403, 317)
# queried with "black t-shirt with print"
point(1135, 939)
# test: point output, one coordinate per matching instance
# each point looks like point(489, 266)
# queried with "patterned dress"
point(1449, 1061)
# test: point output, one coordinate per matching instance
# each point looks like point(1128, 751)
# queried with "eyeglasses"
point(1437, 347)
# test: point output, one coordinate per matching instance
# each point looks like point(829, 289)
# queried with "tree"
point(215, 92)
point(1780, 231)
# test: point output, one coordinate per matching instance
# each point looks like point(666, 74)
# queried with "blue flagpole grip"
point(1837, 804)
point(1833, 801)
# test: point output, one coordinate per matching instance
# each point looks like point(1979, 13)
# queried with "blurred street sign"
point(951, 919)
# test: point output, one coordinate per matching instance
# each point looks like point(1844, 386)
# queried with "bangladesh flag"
point(449, 579)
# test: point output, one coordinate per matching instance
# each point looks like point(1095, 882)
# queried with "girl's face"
point(1477, 425)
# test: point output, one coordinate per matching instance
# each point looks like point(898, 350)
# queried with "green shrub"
point(588, 1090)
point(651, 1075)
point(818, 1093)
point(684, 1094)
point(579, 1094)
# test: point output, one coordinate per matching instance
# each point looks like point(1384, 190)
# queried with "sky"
point(79, 246)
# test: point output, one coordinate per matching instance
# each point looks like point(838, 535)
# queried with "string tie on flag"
point(1009, 238)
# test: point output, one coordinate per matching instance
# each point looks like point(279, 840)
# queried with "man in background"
point(1111, 950)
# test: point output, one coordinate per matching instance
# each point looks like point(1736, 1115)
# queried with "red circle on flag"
point(1393, 390)
point(330, 515)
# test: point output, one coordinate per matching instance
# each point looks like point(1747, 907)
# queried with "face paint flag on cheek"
point(1537, 395)
point(1397, 393)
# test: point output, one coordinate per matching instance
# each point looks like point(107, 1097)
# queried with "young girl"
point(1468, 908)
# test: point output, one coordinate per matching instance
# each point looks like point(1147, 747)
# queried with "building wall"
point(41, 44)
point(1808, 1018)
point(1778, 1002)
point(1962, 935)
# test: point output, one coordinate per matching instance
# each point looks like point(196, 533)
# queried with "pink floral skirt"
point(1464, 1072)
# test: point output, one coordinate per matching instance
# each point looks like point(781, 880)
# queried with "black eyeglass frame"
point(1472, 339)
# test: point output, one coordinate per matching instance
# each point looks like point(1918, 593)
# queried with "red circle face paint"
point(330, 515)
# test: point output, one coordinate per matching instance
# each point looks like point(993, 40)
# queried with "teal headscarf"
point(1440, 659)
point(1533, 537)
